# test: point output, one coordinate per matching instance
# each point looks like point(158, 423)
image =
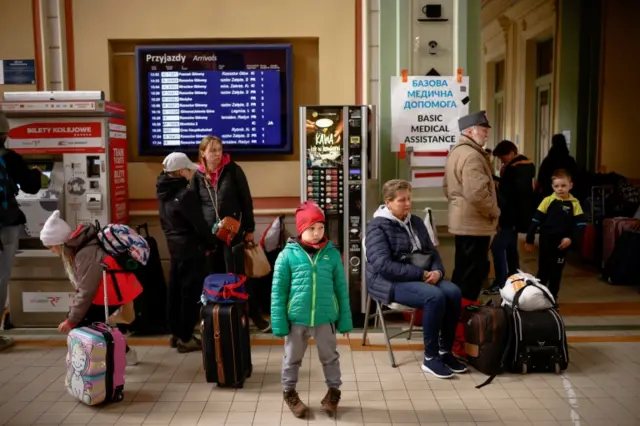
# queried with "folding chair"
point(383, 309)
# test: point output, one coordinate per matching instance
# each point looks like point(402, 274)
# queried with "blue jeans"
point(441, 306)
point(506, 260)
point(9, 235)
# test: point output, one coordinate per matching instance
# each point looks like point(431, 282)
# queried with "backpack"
point(224, 288)
point(122, 242)
point(7, 190)
point(486, 341)
point(273, 237)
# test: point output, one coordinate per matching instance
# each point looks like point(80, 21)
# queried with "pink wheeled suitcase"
point(96, 359)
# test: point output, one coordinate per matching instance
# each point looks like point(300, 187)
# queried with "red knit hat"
point(307, 214)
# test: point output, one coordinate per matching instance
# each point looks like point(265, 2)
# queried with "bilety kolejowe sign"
point(425, 111)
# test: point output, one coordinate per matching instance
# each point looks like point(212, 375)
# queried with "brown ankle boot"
point(294, 403)
point(330, 401)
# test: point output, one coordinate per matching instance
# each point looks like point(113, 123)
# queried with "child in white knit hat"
point(83, 260)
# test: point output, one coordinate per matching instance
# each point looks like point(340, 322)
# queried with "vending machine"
point(338, 148)
point(79, 142)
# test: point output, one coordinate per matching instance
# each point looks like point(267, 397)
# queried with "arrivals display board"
point(240, 93)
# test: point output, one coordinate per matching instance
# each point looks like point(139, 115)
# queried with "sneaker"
point(436, 367)
point(192, 345)
point(5, 343)
point(453, 363)
point(262, 324)
point(294, 403)
point(491, 291)
point(173, 342)
point(132, 357)
point(330, 401)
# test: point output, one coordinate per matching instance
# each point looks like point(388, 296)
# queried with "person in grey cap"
point(14, 173)
point(473, 206)
point(188, 238)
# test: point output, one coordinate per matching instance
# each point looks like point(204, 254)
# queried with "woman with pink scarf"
point(224, 192)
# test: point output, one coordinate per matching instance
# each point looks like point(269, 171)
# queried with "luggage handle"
point(106, 297)
point(516, 298)
point(104, 285)
point(144, 227)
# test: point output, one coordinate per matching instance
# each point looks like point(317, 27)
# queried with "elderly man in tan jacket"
point(473, 206)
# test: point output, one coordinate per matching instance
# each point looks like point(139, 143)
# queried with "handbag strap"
point(214, 200)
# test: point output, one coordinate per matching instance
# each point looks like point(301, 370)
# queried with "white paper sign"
point(425, 111)
point(47, 301)
point(427, 178)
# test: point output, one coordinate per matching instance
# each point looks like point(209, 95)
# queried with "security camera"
point(432, 47)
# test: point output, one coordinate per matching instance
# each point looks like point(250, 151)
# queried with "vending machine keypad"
point(325, 187)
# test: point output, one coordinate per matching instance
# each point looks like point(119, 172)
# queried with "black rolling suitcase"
point(151, 305)
point(226, 346)
point(620, 268)
point(539, 341)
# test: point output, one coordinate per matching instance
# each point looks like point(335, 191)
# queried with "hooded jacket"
point(232, 193)
point(29, 181)
point(469, 187)
point(388, 241)
point(309, 290)
point(183, 224)
point(515, 191)
point(88, 260)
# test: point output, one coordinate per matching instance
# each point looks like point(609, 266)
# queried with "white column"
point(371, 36)
point(52, 25)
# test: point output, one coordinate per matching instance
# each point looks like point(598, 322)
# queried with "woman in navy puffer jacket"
point(404, 266)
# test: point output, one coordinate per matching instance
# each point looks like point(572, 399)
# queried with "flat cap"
point(475, 119)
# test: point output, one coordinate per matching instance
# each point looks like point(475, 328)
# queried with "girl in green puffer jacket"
point(310, 298)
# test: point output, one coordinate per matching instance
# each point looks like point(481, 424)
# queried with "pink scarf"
point(215, 175)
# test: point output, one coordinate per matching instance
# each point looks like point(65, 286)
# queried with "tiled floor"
point(601, 387)
point(580, 283)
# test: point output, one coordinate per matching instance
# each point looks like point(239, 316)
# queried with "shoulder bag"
point(226, 228)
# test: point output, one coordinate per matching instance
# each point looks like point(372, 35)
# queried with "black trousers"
point(185, 288)
point(228, 259)
point(471, 264)
point(551, 263)
point(96, 314)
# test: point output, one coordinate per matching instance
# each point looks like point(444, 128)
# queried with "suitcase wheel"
point(238, 385)
point(524, 368)
point(557, 368)
point(119, 396)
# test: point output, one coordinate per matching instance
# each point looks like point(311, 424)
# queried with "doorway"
point(544, 98)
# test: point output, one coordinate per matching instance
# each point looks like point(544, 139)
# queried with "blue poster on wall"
point(18, 71)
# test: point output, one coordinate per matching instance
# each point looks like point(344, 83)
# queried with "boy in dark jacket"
point(516, 202)
point(561, 222)
point(13, 173)
point(188, 238)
